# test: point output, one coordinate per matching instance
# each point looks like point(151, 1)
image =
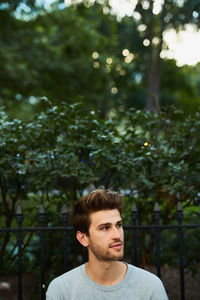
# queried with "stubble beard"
point(105, 255)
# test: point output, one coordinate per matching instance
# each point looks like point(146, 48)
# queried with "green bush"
point(61, 153)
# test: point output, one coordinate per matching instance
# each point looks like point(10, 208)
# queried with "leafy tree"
point(13, 5)
point(155, 21)
point(179, 86)
point(49, 56)
point(45, 54)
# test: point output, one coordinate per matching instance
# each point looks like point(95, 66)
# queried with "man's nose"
point(116, 233)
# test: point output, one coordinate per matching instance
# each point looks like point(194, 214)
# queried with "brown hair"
point(100, 199)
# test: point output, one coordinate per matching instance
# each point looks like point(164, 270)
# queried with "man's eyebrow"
point(108, 224)
point(103, 224)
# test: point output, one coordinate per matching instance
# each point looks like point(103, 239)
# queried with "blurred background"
point(99, 93)
point(109, 55)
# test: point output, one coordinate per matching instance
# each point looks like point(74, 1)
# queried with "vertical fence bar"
point(157, 237)
point(19, 218)
point(134, 214)
point(42, 243)
point(65, 216)
point(180, 240)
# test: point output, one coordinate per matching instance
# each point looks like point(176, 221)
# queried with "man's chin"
point(116, 257)
point(119, 255)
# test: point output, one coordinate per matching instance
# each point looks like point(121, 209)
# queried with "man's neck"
point(106, 272)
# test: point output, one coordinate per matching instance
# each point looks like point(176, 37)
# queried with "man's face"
point(106, 235)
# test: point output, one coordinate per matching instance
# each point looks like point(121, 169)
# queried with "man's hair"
point(100, 199)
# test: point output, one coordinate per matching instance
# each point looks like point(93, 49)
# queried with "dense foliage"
point(63, 152)
point(76, 54)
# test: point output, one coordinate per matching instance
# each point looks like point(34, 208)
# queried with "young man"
point(97, 220)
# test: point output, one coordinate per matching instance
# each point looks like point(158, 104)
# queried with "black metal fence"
point(135, 228)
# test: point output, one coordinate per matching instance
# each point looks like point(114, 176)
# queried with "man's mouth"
point(116, 246)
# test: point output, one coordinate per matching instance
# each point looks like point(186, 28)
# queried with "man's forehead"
point(105, 216)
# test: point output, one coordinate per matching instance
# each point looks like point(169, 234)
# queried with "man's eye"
point(119, 225)
point(104, 228)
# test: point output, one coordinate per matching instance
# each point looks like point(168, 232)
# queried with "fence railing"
point(135, 228)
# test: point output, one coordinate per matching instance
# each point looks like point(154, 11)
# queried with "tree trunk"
point(154, 64)
point(153, 90)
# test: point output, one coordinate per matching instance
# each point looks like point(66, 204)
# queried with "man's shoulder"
point(152, 283)
point(141, 271)
point(62, 284)
point(68, 275)
point(66, 279)
point(144, 275)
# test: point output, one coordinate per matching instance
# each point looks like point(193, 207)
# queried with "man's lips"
point(116, 246)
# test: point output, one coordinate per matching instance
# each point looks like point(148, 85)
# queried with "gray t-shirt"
point(137, 284)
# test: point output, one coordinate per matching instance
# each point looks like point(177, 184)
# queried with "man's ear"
point(82, 238)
